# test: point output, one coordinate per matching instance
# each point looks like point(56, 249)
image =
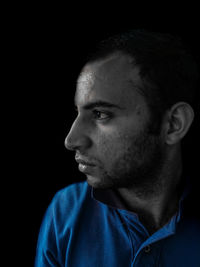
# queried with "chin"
point(93, 181)
point(97, 182)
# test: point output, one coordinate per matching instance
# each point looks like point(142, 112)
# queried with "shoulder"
point(64, 209)
point(69, 198)
point(60, 218)
point(67, 203)
point(72, 194)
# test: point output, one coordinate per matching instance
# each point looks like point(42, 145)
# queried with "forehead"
point(114, 79)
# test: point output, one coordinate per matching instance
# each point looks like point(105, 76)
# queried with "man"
point(134, 99)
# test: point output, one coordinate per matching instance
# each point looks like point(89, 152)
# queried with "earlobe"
point(179, 120)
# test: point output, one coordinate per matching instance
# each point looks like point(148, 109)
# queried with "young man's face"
point(111, 132)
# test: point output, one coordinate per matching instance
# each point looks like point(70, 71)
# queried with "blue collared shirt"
point(80, 229)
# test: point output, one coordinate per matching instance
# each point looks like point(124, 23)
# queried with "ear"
point(177, 122)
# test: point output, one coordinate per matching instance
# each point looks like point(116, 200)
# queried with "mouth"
point(84, 162)
point(84, 165)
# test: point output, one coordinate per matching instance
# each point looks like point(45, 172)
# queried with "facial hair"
point(140, 166)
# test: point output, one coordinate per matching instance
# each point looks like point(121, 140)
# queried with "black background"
point(48, 48)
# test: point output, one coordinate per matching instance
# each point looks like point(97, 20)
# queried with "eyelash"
point(95, 113)
point(98, 112)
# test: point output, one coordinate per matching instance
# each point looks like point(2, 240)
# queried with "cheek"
point(112, 147)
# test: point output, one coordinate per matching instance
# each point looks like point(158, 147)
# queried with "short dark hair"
point(167, 67)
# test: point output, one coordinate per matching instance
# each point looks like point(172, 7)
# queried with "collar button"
point(147, 249)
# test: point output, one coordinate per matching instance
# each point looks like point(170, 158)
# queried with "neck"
point(159, 203)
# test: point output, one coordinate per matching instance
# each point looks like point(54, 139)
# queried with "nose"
point(78, 139)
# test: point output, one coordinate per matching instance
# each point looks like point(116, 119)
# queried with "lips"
point(84, 161)
point(85, 166)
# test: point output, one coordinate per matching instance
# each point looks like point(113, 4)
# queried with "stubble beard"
point(140, 167)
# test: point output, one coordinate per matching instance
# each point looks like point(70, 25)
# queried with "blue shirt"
point(84, 227)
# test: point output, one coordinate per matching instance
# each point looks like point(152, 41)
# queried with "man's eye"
point(100, 115)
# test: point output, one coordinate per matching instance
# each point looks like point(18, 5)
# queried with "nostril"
point(81, 143)
point(68, 143)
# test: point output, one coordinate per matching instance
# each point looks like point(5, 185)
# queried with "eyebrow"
point(100, 103)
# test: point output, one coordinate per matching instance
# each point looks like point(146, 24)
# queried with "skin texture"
point(143, 167)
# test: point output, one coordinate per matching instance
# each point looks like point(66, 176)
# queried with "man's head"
point(132, 111)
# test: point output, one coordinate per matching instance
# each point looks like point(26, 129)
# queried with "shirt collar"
point(110, 197)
